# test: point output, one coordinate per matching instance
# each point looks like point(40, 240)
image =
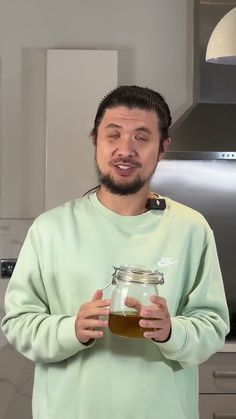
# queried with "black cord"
point(92, 189)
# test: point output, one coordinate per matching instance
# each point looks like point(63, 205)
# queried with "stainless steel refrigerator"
point(206, 181)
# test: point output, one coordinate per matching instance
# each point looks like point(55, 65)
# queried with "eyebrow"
point(144, 129)
point(111, 125)
point(140, 129)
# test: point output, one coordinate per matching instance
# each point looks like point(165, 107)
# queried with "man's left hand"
point(157, 317)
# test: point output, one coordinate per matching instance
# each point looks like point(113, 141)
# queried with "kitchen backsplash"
point(12, 235)
point(16, 372)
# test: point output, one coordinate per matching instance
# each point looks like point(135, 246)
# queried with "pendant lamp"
point(221, 48)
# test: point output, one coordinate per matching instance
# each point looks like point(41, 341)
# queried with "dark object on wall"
point(7, 267)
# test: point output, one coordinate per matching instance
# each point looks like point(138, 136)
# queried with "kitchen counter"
point(229, 346)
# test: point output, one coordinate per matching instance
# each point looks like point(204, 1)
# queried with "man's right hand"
point(87, 319)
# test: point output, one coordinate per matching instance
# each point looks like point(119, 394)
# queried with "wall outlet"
point(7, 267)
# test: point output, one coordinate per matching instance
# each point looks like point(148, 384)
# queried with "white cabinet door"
point(77, 80)
point(22, 133)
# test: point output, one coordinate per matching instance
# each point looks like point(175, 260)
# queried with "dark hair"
point(135, 97)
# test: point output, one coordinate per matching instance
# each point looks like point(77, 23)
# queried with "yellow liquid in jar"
point(127, 324)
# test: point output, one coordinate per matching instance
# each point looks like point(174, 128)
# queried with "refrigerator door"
point(208, 186)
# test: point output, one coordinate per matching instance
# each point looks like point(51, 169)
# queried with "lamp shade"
point(221, 48)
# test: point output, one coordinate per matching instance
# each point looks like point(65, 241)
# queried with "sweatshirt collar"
point(123, 219)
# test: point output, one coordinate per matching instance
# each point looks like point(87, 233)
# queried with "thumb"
point(97, 295)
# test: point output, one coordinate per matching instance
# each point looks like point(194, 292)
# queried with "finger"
point(94, 312)
point(154, 313)
point(153, 334)
point(158, 300)
point(97, 295)
point(133, 303)
point(158, 335)
point(152, 324)
point(90, 334)
point(92, 323)
point(97, 303)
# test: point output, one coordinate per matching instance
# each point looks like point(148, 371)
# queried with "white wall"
point(154, 43)
point(76, 82)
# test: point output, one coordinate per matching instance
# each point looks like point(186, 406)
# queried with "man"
point(82, 370)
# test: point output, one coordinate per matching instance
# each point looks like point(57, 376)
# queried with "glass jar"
point(133, 287)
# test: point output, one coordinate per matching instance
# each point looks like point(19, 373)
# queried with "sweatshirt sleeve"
point(28, 323)
point(200, 329)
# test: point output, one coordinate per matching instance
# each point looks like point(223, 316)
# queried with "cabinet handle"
point(224, 415)
point(224, 374)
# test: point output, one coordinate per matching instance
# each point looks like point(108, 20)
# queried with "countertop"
point(229, 346)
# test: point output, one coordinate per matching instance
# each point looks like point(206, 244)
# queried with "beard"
point(122, 189)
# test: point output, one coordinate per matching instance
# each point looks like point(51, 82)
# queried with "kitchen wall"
point(154, 40)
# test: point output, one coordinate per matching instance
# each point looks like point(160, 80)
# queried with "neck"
point(133, 204)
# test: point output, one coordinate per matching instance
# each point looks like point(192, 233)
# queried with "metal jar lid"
point(138, 274)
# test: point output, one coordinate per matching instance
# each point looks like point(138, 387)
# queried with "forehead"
point(134, 117)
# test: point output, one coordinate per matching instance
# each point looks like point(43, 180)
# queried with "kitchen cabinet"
point(217, 381)
point(16, 384)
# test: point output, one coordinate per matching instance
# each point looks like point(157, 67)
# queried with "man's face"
point(127, 149)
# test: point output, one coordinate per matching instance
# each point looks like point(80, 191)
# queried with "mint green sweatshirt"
point(68, 254)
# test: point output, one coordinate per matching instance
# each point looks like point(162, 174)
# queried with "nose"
point(126, 147)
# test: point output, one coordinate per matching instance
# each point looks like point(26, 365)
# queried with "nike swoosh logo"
point(163, 264)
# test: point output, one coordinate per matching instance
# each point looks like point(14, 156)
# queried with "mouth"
point(125, 168)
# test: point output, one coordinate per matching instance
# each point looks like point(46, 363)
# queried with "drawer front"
point(218, 374)
point(217, 407)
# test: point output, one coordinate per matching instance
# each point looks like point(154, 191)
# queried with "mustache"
point(126, 160)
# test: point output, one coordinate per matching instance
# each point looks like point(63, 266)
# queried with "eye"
point(113, 135)
point(141, 138)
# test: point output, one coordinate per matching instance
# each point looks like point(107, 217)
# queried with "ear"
point(93, 138)
point(165, 145)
